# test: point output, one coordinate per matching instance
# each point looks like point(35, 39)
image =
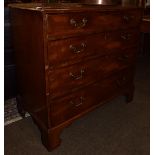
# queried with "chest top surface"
point(61, 7)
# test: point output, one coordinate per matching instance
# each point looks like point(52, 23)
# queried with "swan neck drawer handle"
point(79, 24)
point(126, 36)
point(121, 81)
point(123, 57)
point(77, 77)
point(78, 49)
point(78, 104)
point(127, 18)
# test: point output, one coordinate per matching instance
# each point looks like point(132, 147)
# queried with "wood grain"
point(71, 59)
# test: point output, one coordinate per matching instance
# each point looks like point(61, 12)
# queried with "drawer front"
point(69, 51)
point(76, 103)
point(125, 57)
point(65, 80)
point(75, 23)
point(122, 39)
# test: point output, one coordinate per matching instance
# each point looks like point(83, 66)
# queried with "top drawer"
point(73, 23)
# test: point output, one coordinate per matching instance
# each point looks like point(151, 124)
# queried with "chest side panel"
point(27, 32)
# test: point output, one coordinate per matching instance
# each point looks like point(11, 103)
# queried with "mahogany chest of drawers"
point(71, 59)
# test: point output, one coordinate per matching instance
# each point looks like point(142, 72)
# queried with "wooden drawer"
point(64, 80)
point(76, 23)
point(125, 57)
point(122, 57)
point(121, 39)
point(76, 103)
point(69, 51)
point(72, 50)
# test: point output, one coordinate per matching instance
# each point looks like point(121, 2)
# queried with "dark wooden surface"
point(145, 26)
point(75, 103)
point(29, 59)
point(80, 48)
point(59, 83)
point(10, 86)
point(97, 22)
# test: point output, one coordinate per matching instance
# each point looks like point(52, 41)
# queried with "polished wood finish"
point(71, 59)
point(30, 77)
point(66, 24)
point(79, 101)
point(145, 26)
point(75, 49)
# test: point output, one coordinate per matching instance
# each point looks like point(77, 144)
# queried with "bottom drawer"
point(69, 106)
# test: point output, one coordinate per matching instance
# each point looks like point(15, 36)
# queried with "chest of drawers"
point(72, 59)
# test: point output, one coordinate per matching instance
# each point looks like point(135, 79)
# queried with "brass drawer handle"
point(123, 57)
point(126, 36)
point(78, 104)
point(78, 49)
point(127, 18)
point(77, 77)
point(80, 24)
point(121, 81)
